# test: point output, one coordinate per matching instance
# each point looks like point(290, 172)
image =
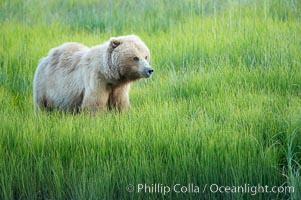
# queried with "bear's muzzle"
point(148, 71)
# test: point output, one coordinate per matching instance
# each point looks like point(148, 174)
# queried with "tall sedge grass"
point(223, 106)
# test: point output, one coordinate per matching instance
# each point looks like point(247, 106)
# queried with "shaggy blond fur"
point(74, 77)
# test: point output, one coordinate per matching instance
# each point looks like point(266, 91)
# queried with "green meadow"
point(223, 108)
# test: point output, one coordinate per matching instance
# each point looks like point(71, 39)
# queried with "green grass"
point(223, 107)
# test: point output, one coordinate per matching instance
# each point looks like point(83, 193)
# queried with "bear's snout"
point(148, 71)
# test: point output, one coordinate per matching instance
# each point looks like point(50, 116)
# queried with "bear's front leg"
point(119, 98)
point(95, 100)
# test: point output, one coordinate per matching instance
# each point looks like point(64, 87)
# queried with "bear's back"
point(66, 56)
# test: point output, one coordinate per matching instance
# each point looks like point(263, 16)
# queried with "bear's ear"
point(115, 42)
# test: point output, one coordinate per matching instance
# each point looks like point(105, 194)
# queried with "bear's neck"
point(103, 58)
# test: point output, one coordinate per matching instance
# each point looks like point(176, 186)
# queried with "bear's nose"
point(148, 71)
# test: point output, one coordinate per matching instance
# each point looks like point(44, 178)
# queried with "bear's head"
point(131, 57)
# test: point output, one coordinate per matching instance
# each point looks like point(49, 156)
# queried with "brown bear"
point(74, 77)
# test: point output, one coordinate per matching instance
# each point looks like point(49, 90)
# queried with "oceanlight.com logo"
point(250, 189)
point(212, 188)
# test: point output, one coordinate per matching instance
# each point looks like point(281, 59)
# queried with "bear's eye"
point(145, 57)
point(136, 59)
